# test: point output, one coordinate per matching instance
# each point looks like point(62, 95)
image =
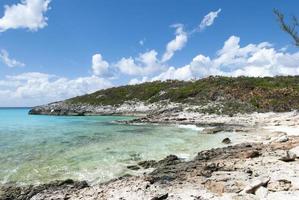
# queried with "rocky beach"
point(261, 165)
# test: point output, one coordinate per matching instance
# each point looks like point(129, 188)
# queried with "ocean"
point(38, 149)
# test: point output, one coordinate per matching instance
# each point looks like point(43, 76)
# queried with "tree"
point(288, 28)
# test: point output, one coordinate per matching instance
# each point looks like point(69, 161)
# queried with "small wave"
point(192, 127)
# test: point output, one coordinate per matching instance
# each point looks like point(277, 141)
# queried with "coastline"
point(243, 161)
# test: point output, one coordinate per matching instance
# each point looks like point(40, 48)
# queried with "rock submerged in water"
point(133, 167)
point(212, 130)
point(226, 141)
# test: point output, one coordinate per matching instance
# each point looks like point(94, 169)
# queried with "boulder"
point(288, 157)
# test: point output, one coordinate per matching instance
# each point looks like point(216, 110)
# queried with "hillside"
point(209, 95)
point(264, 94)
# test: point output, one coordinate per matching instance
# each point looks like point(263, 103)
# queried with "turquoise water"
point(38, 149)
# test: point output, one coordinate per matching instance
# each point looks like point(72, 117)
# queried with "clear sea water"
point(37, 149)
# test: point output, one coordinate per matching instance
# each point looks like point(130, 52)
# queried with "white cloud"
point(99, 65)
point(233, 60)
point(26, 14)
point(145, 64)
point(135, 81)
point(177, 43)
point(208, 20)
point(4, 57)
point(182, 73)
point(35, 88)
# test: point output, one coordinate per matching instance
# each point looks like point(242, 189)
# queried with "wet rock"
point(12, 192)
point(288, 157)
point(226, 141)
point(133, 167)
point(169, 160)
point(148, 164)
point(212, 130)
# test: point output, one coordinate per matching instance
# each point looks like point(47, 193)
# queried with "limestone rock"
point(280, 185)
point(295, 151)
point(261, 192)
point(283, 138)
point(251, 188)
point(288, 157)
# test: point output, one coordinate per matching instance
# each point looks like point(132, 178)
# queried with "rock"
point(160, 197)
point(280, 185)
point(252, 188)
point(283, 138)
point(252, 154)
point(212, 130)
point(133, 167)
point(288, 157)
point(169, 160)
point(261, 192)
point(148, 164)
point(226, 141)
point(295, 151)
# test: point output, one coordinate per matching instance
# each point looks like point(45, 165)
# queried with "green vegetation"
point(230, 95)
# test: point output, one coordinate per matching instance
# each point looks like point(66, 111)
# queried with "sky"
point(51, 50)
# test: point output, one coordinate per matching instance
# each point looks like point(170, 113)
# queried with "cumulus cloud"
point(145, 64)
point(99, 65)
point(10, 62)
point(26, 14)
point(177, 43)
point(135, 81)
point(208, 20)
point(35, 88)
point(257, 60)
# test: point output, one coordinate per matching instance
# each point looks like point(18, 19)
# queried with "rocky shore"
point(262, 165)
point(243, 171)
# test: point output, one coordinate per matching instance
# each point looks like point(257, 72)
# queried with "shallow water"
point(39, 149)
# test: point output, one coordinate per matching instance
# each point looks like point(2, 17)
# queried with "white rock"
point(283, 138)
point(261, 192)
point(295, 151)
point(252, 187)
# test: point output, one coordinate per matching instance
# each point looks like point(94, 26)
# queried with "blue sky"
point(53, 49)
